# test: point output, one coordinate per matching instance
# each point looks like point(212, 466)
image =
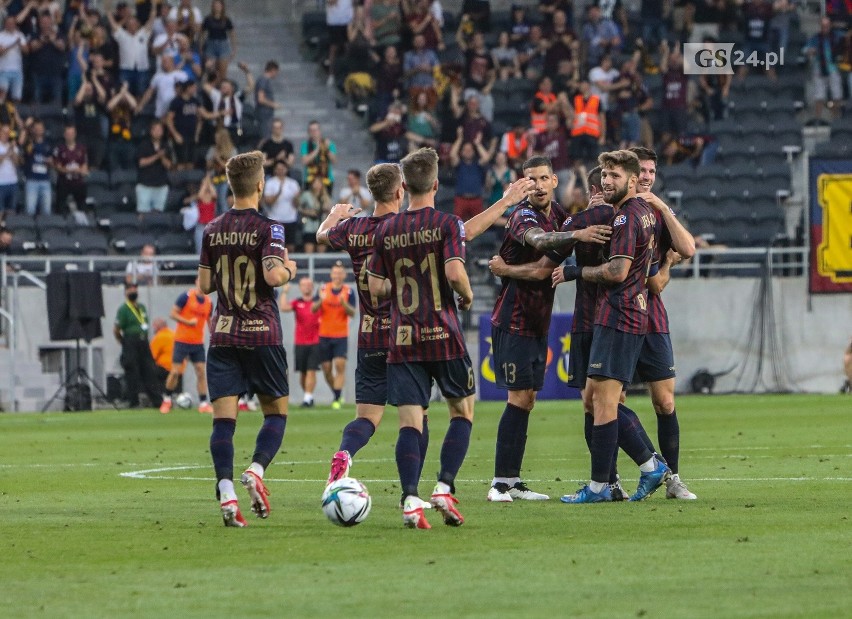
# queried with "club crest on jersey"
point(620, 220)
point(277, 231)
point(461, 229)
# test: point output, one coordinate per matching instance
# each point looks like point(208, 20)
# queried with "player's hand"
point(557, 277)
point(653, 201)
point(192, 322)
point(291, 264)
point(344, 211)
point(465, 303)
point(593, 234)
point(673, 257)
point(519, 190)
point(596, 200)
point(497, 266)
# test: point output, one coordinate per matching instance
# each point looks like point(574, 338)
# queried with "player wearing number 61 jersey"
point(243, 258)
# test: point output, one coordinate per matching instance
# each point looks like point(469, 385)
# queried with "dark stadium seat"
point(179, 179)
point(122, 225)
point(91, 242)
point(97, 195)
point(47, 223)
point(98, 177)
point(58, 242)
point(158, 223)
point(117, 178)
point(16, 222)
point(133, 244)
point(175, 243)
point(174, 201)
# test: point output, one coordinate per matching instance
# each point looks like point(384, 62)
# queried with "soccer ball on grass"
point(183, 400)
point(346, 502)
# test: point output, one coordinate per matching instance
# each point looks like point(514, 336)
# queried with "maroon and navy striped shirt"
point(234, 247)
point(624, 306)
point(524, 307)
point(587, 255)
point(356, 236)
point(411, 250)
point(658, 318)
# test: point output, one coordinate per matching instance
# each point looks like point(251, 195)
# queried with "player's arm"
point(531, 271)
point(278, 270)
point(380, 287)
point(682, 240)
point(659, 279)
point(516, 192)
point(608, 274)
point(205, 280)
point(459, 282)
point(338, 213)
point(549, 241)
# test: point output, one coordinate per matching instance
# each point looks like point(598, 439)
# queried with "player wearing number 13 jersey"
point(419, 262)
point(243, 258)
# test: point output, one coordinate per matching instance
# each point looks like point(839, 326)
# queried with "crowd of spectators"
point(556, 79)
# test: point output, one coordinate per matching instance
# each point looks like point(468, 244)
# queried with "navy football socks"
point(454, 449)
point(356, 434)
point(408, 459)
point(511, 441)
point(222, 447)
point(632, 437)
point(668, 434)
point(604, 443)
point(424, 444)
point(269, 439)
point(337, 393)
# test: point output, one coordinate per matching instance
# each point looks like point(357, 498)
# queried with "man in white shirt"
point(132, 39)
point(13, 44)
point(280, 199)
point(602, 79)
point(166, 43)
point(163, 83)
point(356, 194)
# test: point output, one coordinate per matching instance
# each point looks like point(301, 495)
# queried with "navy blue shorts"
point(193, 352)
point(656, 360)
point(519, 360)
point(235, 370)
point(306, 357)
point(614, 354)
point(578, 359)
point(371, 376)
point(411, 383)
point(332, 348)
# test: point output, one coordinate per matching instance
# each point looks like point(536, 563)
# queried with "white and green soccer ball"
point(346, 502)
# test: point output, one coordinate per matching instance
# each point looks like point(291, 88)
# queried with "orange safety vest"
point(586, 121)
point(193, 309)
point(516, 148)
point(538, 120)
point(334, 321)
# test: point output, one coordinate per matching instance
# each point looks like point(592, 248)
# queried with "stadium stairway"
point(267, 31)
point(33, 387)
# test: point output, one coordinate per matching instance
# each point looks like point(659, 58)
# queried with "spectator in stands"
point(702, 18)
point(9, 115)
point(388, 76)
point(553, 143)
point(654, 15)
point(9, 162)
point(469, 160)
point(167, 42)
point(13, 45)
point(519, 29)
point(162, 347)
point(588, 128)
point(161, 16)
point(420, 20)
point(359, 41)
point(47, 61)
point(630, 102)
point(143, 271)
point(684, 148)
point(218, 38)
point(779, 26)
point(544, 102)
point(264, 97)
point(479, 75)
point(276, 147)
point(227, 101)
point(91, 120)
point(532, 53)
point(37, 163)
point(714, 91)
point(182, 123)
point(188, 60)
point(389, 135)
point(217, 157)
point(318, 155)
point(505, 58)
point(205, 207)
point(757, 16)
point(280, 198)
point(77, 54)
point(338, 14)
point(515, 144)
point(131, 331)
point(675, 103)
point(314, 205)
point(356, 194)
point(101, 43)
point(600, 36)
point(548, 8)
point(164, 85)
point(419, 66)
point(498, 178)
point(132, 39)
point(576, 200)
point(563, 44)
point(473, 123)
point(72, 167)
point(385, 22)
point(421, 125)
point(121, 108)
point(604, 79)
point(188, 18)
point(822, 49)
point(155, 159)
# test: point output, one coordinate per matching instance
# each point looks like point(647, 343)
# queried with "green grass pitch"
point(111, 514)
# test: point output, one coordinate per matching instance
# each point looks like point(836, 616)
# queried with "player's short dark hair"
point(620, 158)
point(538, 161)
point(644, 154)
point(420, 171)
point(383, 180)
point(244, 173)
point(271, 66)
point(594, 177)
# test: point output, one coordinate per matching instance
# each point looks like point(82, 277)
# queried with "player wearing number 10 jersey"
point(419, 263)
point(243, 258)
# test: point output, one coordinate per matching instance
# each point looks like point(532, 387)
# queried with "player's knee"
point(524, 399)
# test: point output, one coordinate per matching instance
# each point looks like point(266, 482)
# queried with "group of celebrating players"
point(411, 278)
